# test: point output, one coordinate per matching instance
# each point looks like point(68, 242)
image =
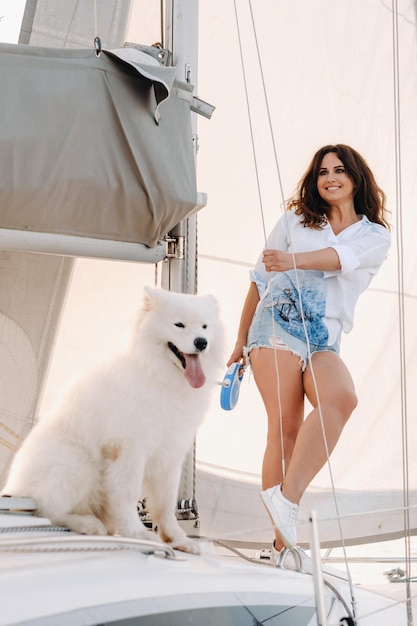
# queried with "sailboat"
point(337, 72)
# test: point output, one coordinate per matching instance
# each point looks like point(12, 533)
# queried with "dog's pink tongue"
point(193, 372)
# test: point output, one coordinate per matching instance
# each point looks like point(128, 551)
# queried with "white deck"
point(57, 577)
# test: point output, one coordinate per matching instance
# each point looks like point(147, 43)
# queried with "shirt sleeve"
point(367, 250)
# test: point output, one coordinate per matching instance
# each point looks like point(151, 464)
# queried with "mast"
point(181, 37)
point(179, 270)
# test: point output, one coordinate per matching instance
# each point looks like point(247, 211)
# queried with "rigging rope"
point(291, 247)
point(319, 408)
point(97, 42)
point(95, 18)
point(292, 250)
point(400, 280)
point(401, 302)
point(262, 218)
point(71, 23)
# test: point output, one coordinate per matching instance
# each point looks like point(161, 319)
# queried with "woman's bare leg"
point(337, 399)
point(287, 385)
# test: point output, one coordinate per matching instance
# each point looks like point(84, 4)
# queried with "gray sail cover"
point(94, 146)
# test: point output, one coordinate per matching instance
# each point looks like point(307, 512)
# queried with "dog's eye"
point(180, 325)
point(204, 325)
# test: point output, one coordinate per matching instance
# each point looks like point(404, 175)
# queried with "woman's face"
point(333, 184)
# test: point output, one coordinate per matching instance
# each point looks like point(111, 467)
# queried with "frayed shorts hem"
point(260, 336)
point(303, 361)
point(247, 351)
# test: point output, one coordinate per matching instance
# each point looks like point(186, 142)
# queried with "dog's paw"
point(188, 545)
point(175, 536)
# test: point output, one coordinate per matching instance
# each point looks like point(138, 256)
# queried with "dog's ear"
point(149, 297)
point(213, 300)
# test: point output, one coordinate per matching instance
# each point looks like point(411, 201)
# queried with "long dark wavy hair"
point(369, 199)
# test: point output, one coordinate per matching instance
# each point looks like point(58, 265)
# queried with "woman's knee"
point(287, 429)
point(350, 401)
point(332, 384)
point(345, 403)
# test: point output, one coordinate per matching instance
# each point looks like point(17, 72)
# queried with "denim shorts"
point(266, 332)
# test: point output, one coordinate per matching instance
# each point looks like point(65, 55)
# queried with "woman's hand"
point(237, 355)
point(277, 261)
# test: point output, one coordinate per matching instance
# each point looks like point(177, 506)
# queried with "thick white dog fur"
point(122, 433)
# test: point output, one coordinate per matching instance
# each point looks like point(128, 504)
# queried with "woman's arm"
point(326, 260)
point(246, 317)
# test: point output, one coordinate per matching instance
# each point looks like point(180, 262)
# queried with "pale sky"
point(11, 12)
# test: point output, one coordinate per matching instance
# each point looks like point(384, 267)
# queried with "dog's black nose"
point(200, 343)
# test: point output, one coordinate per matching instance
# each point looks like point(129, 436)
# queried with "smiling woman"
point(336, 188)
point(321, 255)
point(339, 172)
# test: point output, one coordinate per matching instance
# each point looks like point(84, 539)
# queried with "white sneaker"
point(283, 513)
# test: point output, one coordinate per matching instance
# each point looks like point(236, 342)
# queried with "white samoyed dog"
point(122, 432)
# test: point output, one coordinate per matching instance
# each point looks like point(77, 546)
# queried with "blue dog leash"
point(229, 393)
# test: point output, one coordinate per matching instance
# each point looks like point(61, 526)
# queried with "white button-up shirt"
point(325, 299)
